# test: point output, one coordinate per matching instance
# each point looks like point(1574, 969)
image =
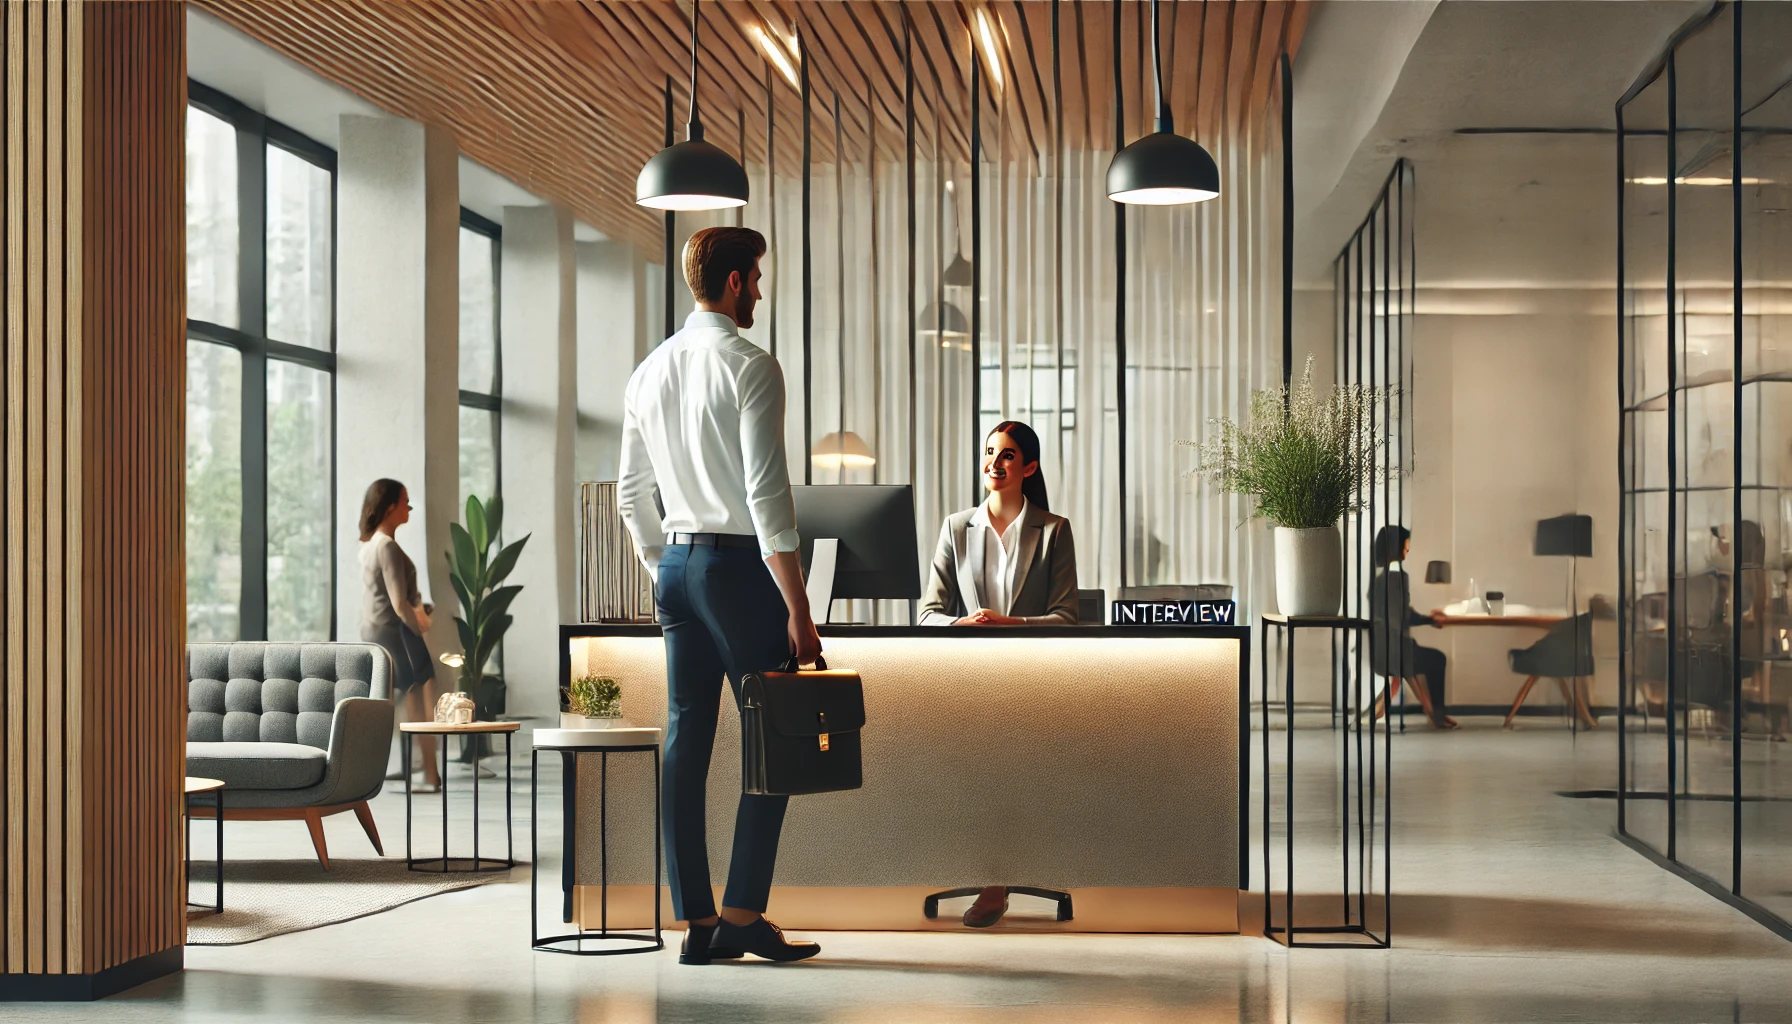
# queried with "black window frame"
point(492, 401)
point(255, 132)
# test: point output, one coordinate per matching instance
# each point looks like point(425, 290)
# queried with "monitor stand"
point(822, 563)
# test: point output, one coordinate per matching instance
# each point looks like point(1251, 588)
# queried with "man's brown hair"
point(714, 253)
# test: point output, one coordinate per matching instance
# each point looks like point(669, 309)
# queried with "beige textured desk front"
point(1103, 765)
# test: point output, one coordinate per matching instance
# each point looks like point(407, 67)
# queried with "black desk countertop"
point(573, 630)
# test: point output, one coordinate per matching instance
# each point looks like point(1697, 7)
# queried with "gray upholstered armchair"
point(293, 730)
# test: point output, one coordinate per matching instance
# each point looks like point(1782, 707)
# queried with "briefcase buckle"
point(824, 741)
point(822, 717)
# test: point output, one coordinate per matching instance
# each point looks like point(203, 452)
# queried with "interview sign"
point(1174, 613)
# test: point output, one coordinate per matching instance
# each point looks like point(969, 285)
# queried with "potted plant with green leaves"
point(478, 574)
point(592, 702)
point(1306, 461)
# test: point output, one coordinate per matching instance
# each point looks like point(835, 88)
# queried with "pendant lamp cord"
point(694, 128)
point(1157, 72)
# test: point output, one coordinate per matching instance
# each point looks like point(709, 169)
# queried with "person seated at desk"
point(1009, 561)
point(1392, 651)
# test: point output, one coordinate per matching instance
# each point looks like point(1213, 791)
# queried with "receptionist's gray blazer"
point(1044, 581)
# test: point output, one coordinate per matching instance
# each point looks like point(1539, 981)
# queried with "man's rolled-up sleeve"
point(635, 488)
point(761, 395)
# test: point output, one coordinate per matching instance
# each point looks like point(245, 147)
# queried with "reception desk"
point(1107, 762)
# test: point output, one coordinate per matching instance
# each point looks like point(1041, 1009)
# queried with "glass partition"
point(1705, 376)
point(1764, 297)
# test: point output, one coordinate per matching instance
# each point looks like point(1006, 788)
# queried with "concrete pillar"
point(398, 350)
point(613, 320)
point(539, 337)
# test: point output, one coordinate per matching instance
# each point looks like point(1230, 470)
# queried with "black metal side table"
point(442, 864)
point(569, 744)
point(1363, 779)
point(215, 787)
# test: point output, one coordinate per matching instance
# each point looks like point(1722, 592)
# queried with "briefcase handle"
point(791, 666)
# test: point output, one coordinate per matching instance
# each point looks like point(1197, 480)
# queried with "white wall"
point(539, 340)
point(397, 347)
point(1517, 422)
point(613, 335)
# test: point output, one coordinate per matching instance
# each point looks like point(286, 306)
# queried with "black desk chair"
point(1565, 654)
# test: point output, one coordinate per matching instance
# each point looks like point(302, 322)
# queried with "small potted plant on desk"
point(592, 702)
point(1306, 460)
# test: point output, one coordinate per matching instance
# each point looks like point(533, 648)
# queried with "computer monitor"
point(875, 527)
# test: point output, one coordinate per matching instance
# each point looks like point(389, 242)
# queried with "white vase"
point(1309, 571)
point(568, 720)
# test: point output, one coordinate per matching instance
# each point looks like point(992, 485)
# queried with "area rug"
point(265, 898)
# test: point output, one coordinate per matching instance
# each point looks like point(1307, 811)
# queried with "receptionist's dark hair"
point(1390, 545)
point(1033, 487)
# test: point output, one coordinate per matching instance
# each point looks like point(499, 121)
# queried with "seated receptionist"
point(1007, 562)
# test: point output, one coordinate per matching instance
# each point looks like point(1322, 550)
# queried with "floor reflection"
point(1512, 904)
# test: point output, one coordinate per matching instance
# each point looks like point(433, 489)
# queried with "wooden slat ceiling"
point(568, 98)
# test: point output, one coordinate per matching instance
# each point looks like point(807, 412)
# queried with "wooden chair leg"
point(1381, 702)
point(1423, 692)
point(315, 822)
point(1523, 692)
point(364, 814)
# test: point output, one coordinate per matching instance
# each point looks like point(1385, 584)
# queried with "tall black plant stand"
point(1363, 779)
point(569, 744)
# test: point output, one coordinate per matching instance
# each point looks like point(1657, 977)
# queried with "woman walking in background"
point(393, 614)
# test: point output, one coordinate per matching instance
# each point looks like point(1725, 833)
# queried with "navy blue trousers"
point(723, 616)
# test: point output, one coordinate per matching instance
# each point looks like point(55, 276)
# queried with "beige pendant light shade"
point(842, 450)
point(946, 322)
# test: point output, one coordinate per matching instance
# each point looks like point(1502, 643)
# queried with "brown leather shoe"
point(991, 904)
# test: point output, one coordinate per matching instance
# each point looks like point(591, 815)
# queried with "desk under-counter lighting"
point(1102, 761)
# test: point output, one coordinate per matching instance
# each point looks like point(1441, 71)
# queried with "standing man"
point(703, 422)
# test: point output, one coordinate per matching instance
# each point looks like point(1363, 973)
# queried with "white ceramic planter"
point(568, 720)
point(1309, 571)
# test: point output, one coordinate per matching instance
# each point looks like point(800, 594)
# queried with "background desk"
point(1543, 622)
point(1102, 760)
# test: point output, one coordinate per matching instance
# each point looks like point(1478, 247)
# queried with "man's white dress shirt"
point(999, 557)
point(703, 421)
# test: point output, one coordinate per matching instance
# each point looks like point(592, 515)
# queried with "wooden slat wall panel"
point(566, 98)
point(18, 839)
point(93, 573)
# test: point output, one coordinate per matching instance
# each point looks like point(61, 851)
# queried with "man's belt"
point(717, 540)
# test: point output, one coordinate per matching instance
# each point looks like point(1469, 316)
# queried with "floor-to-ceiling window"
point(481, 365)
point(261, 361)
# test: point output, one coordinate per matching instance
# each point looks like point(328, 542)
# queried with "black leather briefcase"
point(800, 731)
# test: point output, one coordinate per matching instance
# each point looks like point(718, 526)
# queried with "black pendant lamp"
point(692, 175)
point(1163, 168)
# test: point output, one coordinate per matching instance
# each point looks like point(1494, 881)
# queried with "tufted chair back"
point(252, 691)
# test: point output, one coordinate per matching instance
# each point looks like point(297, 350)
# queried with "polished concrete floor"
point(1511, 904)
